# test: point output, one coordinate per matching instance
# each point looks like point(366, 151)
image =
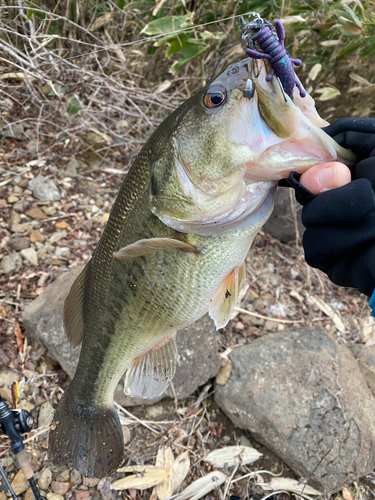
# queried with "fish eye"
point(214, 99)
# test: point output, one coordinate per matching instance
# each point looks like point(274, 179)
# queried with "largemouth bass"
point(174, 248)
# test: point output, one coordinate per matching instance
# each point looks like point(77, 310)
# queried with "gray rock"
point(19, 243)
point(43, 321)
point(365, 355)
point(45, 414)
point(281, 224)
point(9, 262)
point(44, 189)
point(61, 251)
point(45, 479)
point(198, 359)
point(30, 256)
point(304, 397)
point(72, 168)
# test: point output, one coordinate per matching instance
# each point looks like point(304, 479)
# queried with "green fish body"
point(174, 249)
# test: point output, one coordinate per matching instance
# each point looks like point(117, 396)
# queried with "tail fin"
point(89, 439)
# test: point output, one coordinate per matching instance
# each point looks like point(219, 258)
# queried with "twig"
point(256, 315)
point(136, 418)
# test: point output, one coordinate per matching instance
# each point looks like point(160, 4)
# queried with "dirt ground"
point(87, 160)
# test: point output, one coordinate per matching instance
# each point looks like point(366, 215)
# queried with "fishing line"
point(100, 48)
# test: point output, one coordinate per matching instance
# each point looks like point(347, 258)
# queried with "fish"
point(174, 248)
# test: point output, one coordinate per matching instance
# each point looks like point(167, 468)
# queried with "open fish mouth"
point(261, 139)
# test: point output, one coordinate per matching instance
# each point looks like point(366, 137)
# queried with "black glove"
point(340, 234)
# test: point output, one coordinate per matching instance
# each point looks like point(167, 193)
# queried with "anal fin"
point(151, 245)
point(150, 375)
point(226, 297)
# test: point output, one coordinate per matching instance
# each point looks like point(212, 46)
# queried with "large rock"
point(304, 397)
point(282, 223)
point(365, 356)
point(197, 346)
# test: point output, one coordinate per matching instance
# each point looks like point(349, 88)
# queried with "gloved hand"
point(340, 234)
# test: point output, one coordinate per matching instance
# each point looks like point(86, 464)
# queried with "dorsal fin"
point(73, 310)
point(150, 375)
point(225, 299)
point(151, 245)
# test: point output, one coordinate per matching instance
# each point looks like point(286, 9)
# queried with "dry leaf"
point(292, 19)
point(330, 43)
point(223, 376)
point(202, 486)
point(285, 483)
point(19, 336)
point(328, 311)
point(367, 328)
point(359, 79)
point(163, 87)
point(232, 455)
point(145, 477)
point(181, 467)
point(165, 460)
point(346, 494)
point(314, 71)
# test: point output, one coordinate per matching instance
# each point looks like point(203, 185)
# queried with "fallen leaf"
point(202, 486)
point(165, 460)
point(232, 455)
point(328, 311)
point(181, 467)
point(285, 483)
point(145, 477)
point(19, 336)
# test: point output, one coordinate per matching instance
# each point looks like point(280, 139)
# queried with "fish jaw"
point(282, 135)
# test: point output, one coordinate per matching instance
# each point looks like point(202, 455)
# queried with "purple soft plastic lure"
point(270, 40)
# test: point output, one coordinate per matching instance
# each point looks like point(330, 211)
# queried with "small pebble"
point(19, 483)
point(19, 243)
point(45, 479)
point(61, 251)
point(62, 225)
point(30, 256)
point(54, 496)
point(36, 236)
point(59, 488)
point(64, 476)
point(36, 213)
point(80, 495)
point(76, 477)
point(91, 482)
point(9, 262)
point(25, 405)
point(29, 495)
point(12, 198)
point(6, 461)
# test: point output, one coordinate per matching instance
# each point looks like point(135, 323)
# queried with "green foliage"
point(181, 31)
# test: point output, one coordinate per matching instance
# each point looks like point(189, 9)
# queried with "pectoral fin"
point(150, 375)
point(226, 297)
point(151, 245)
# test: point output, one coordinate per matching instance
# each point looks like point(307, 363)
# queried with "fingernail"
point(327, 178)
